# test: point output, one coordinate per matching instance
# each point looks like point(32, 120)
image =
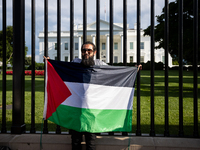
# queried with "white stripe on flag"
point(94, 96)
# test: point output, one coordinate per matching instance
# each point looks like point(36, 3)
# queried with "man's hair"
point(88, 42)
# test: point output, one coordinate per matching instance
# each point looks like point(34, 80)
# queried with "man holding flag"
point(88, 51)
point(94, 108)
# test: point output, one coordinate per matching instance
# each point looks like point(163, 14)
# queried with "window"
point(56, 58)
point(142, 59)
point(66, 58)
point(131, 45)
point(142, 45)
point(103, 46)
point(76, 46)
point(55, 46)
point(115, 46)
point(115, 59)
point(131, 59)
point(66, 46)
point(163, 59)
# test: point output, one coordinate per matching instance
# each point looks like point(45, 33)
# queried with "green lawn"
point(145, 102)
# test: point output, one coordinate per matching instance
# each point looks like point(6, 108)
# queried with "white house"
point(104, 43)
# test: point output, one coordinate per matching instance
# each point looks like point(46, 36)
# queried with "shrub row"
point(190, 68)
point(145, 66)
point(28, 72)
point(38, 66)
point(158, 66)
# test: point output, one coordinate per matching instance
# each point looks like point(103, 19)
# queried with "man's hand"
point(45, 58)
point(139, 67)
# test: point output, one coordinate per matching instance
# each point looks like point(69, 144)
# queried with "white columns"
point(61, 50)
point(121, 48)
point(79, 46)
point(93, 39)
point(107, 48)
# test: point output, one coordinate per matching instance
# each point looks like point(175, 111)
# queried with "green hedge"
point(145, 66)
point(38, 66)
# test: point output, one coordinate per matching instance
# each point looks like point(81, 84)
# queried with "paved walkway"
point(63, 142)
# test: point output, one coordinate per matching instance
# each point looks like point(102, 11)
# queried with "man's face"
point(87, 51)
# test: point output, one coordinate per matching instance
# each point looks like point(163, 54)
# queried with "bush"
point(121, 64)
point(159, 66)
point(174, 68)
point(131, 64)
point(145, 66)
point(39, 72)
point(185, 68)
point(9, 67)
point(190, 68)
point(38, 66)
point(9, 72)
point(26, 68)
point(28, 72)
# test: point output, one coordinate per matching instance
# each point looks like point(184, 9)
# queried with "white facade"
point(104, 44)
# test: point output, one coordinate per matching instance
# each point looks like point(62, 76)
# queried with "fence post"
point(58, 129)
point(138, 130)
point(45, 128)
point(98, 28)
point(32, 130)
point(180, 41)
point(125, 32)
point(111, 33)
point(124, 40)
point(111, 40)
point(71, 30)
point(166, 132)
point(18, 125)
point(3, 129)
point(85, 21)
point(195, 68)
point(152, 131)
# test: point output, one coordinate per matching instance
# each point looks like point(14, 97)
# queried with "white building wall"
point(103, 52)
point(64, 52)
point(131, 37)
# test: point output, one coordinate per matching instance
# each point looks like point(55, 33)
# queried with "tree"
point(9, 44)
point(28, 61)
point(173, 30)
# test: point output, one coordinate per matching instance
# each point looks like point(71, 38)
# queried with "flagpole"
point(45, 93)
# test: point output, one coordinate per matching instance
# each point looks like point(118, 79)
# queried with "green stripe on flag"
point(92, 120)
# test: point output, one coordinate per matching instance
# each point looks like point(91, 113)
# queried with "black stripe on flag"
point(102, 75)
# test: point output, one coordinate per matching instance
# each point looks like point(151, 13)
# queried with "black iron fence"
point(18, 124)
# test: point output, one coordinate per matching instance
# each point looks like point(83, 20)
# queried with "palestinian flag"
point(95, 99)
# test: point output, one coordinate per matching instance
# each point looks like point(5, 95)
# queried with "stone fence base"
point(63, 142)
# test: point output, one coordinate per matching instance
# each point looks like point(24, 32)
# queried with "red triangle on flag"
point(57, 91)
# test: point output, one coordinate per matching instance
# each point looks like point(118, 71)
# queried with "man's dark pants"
point(77, 139)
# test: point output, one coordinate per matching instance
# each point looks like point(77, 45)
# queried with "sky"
point(78, 15)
